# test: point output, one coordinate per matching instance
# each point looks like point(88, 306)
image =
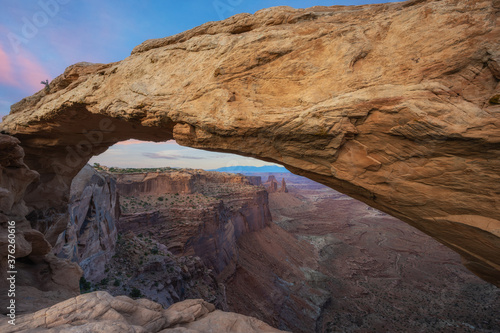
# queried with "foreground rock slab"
point(101, 312)
point(396, 105)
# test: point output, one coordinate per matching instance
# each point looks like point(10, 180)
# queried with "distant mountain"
point(252, 169)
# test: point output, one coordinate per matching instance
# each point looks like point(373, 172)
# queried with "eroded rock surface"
point(392, 104)
point(271, 185)
point(143, 267)
point(101, 312)
point(90, 236)
point(200, 213)
point(40, 275)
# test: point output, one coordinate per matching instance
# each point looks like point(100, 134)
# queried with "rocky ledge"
point(101, 312)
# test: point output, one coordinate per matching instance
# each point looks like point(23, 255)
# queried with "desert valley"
point(379, 211)
point(291, 252)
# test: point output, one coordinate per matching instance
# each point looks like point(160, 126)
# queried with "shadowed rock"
point(391, 104)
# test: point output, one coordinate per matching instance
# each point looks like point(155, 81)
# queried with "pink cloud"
point(6, 70)
point(21, 71)
point(31, 72)
point(136, 142)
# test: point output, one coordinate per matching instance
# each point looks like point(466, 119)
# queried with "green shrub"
point(135, 293)
point(116, 283)
point(84, 285)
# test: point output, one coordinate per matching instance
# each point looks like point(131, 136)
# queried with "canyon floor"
point(382, 274)
point(319, 262)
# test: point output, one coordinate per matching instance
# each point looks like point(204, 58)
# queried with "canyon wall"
point(393, 104)
point(184, 182)
point(39, 274)
point(265, 272)
point(91, 233)
point(48, 284)
point(205, 219)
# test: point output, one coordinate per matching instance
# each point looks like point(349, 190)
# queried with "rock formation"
point(143, 267)
point(283, 188)
point(206, 219)
point(381, 274)
point(272, 186)
point(181, 182)
point(40, 275)
point(90, 236)
point(393, 104)
point(225, 221)
point(273, 279)
point(101, 312)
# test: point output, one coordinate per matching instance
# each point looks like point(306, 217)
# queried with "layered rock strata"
point(39, 274)
point(393, 104)
point(205, 220)
point(91, 233)
point(272, 186)
point(264, 271)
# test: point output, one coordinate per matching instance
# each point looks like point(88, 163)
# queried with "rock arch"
point(392, 104)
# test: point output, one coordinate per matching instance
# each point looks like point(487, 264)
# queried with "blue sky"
point(40, 38)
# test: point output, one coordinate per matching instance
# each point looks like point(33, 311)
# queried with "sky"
point(40, 38)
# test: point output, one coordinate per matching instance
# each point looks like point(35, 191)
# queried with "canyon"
point(313, 259)
point(395, 105)
point(47, 286)
point(207, 215)
point(373, 101)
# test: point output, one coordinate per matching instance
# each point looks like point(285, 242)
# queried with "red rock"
point(392, 104)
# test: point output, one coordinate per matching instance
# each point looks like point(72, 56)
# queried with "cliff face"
point(272, 186)
point(265, 272)
point(273, 279)
point(206, 220)
point(393, 104)
point(185, 182)
point(40, 275)
point(144, 267)
point(90, 236)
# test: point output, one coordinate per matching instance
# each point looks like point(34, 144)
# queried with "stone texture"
point(392, 104)
point(180, 182)
point(272, 186)
point(146, 265)
point(40, 275)
point(90, 236)
point(206, 219)
point(101, 312)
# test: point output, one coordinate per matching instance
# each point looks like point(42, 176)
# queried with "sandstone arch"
point(392, 104)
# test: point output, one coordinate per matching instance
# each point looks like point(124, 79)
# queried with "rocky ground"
point(101, 312)
point(382, 274)
point(142, 267)
point(225, 220)
point(326, 262)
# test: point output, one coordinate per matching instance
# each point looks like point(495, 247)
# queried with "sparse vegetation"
point(135, 293)
point(85, 286)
